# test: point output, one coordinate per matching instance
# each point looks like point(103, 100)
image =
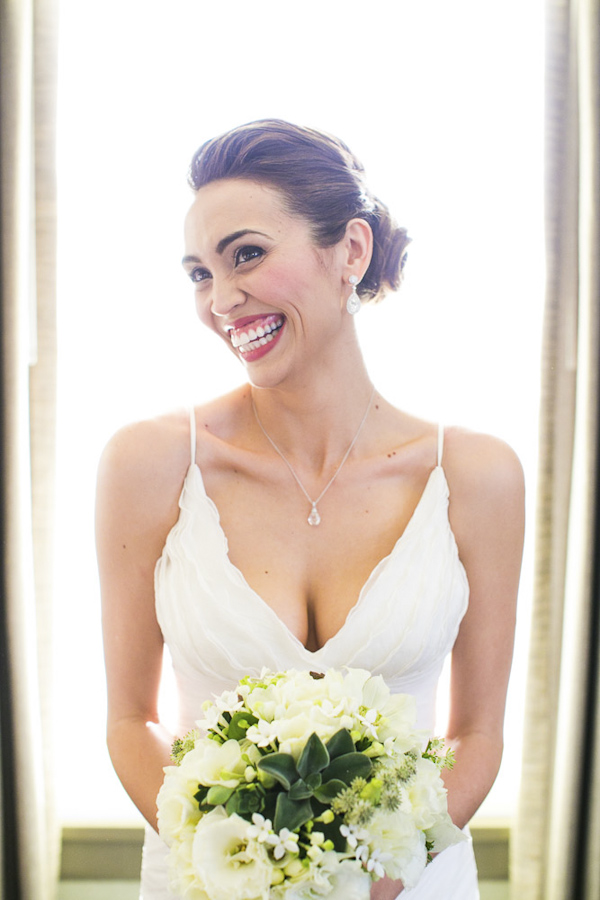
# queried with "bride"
point(302, 521)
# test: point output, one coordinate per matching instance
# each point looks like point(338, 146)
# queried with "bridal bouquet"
point(302, 786)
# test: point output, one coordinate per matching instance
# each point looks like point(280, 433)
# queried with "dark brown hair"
point(321, 180)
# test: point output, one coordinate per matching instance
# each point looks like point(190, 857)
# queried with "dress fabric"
point(402, 627)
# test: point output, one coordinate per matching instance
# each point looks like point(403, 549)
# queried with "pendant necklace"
point(314, 517)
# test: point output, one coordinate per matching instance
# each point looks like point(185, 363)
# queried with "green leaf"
point(328, 791)
point(281, 766)
point(218, 795)
point(240, 723)
point(246, 799)
point(291, 813)
point(348, 767)
point(300, 790)
point(340, 744)
point(200, 796)
point(314, 757)
point(313, 780)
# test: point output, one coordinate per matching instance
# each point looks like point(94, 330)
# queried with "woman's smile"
point(255, 337)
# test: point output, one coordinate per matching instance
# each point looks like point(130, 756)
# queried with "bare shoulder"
point(144, 464)
point(486, 486)
point(480, 465)
point(141, 475)
point(154, 450)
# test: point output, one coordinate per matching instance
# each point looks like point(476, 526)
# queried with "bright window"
point(442, 102)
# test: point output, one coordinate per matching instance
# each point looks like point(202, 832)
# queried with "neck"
point(314, 427)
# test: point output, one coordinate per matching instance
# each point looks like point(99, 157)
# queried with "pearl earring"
point(353, 301)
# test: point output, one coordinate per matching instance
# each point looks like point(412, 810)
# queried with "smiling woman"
point(461, 344)
point(414, 554)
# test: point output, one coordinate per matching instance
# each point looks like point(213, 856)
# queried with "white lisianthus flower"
point(427, 795)
point(396, 837)
point(227, 860)
point(184, 879)
point(349, 882)
point(177, 809)
point(429, 802)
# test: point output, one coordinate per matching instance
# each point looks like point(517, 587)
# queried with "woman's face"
point(260, 282)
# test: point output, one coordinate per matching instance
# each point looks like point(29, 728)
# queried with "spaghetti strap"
point(192, 436)
point(440, 443)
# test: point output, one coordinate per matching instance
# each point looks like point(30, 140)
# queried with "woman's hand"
point(386, 889)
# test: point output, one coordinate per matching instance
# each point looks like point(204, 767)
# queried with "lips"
point(249, 335)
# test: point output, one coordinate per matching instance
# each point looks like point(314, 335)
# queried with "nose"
point(225, 296)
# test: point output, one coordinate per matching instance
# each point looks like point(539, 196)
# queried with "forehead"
point(225, 206)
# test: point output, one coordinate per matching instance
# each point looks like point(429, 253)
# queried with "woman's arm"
point(487, 517)
point(139, 481)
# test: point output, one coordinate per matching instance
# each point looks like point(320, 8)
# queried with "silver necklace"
point(314, 517)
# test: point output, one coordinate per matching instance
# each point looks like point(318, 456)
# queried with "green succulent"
point(322, 771)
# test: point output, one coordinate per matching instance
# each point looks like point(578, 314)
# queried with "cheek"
point(286, 284)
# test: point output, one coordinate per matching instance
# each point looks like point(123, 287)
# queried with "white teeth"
point(238, 339)
point(253, 338)
point(253, 345)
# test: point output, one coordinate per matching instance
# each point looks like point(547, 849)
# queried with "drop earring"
point(353, 301)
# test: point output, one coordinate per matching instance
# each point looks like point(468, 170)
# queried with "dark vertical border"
point(589, 755)
point(10, 887)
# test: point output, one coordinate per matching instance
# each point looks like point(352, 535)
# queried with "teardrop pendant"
point(314, 517)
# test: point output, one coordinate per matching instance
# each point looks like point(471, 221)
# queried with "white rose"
point(227, 860)
point(396, 834)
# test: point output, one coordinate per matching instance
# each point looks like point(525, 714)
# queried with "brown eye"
point(247, 254)
point(198, 275)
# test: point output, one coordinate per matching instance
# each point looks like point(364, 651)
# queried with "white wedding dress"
point(403, 626)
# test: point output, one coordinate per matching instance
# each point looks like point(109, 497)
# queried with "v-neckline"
point(364, 589)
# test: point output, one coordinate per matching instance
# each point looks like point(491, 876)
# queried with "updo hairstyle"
point(321, 180)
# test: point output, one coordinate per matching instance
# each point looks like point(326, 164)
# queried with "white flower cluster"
point(288, 709)
point(254, 769)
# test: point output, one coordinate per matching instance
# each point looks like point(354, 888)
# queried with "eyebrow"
point(230, 238)
point(225, 242)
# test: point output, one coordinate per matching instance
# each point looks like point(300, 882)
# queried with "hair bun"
point(390, 244)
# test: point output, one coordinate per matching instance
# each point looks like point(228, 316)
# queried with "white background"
point(443, 104)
